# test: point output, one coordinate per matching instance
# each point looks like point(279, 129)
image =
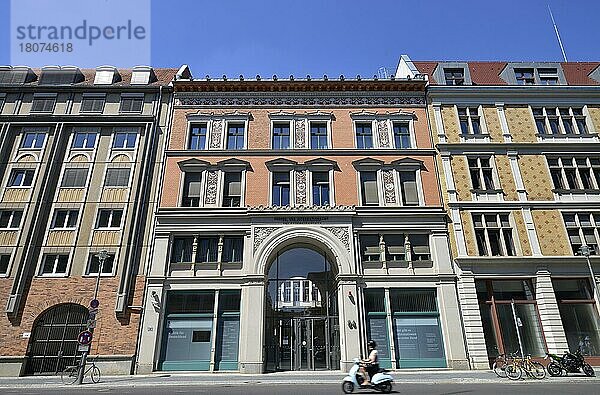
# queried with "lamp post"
point(102, 257)
point(585, 251)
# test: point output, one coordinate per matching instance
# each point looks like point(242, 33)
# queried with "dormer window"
point(105, 75)
point(548, 76)
point(524, 76)
point(142, 75)
point(60, 76)
point(454, 76)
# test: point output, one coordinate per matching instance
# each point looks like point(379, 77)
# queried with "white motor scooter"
point(380, 381)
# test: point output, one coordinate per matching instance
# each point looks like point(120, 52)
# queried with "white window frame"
point(87, 132)
point(555, 114)
point(38, 131)
point(398, 186)
point(378, 179)
point(492, 163)
point(87, 272)
point(469, 115)
point(110, 218)
point(87, 181)
point(411, 133)
point(11, 226)
point(292, 174)
point(10, 263)
point(93, 96)
point(67, 218)
point(374, 137)
point(327, 122)
point(330, 184)
point(503, 248)
point(225, 132)
point(131, 96)
point(128, 131)
point(221, 195)
point(54, 274)
point(594, 224)
point(291, 124)
point(10, 174)
point(44, 96)
point(182, 187)
point(104, 178)
point(189, 135)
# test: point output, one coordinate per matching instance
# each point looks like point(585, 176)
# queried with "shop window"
point(579, 314)
point(377, 324)
point(191, 302)
point(228, 330)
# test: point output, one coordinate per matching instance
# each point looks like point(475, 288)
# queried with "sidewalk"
point(416, 376)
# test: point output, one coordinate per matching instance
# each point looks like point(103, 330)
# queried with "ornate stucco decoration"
point(383, 133)
point(260, 234)
point(389, 189)
point(216, 133)
point(300, 133)
point(340, 100)
point(212, 184)
point(341, 233)
point(301, 187)
point(301, 208)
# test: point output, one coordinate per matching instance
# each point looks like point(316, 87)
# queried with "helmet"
point(372, 344)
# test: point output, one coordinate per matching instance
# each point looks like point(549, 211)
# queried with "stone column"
point(349, 330)
point(252, 320)
point(556, 340)
point(454, 342)
point(475, 339)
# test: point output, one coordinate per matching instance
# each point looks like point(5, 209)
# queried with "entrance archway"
point(301, 328)
point(53, 342)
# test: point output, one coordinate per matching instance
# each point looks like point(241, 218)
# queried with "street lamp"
point(585, 250)
point(102, 257)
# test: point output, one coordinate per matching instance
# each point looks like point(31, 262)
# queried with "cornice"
point(536, 148)
point(305, 152)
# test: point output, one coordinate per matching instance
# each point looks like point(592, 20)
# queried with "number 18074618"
point(46, 47)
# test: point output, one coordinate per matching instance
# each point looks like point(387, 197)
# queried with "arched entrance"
point(301, 328)
point(53, 342)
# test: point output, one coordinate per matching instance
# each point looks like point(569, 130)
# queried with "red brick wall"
point(111, 336)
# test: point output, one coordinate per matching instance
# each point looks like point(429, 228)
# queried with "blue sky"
point(356, 37)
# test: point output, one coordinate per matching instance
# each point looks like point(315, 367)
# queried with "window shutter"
point(409, 188)
point(193, 181)
point(235, 188)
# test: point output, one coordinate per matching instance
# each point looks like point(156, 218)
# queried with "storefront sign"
point(301, 220)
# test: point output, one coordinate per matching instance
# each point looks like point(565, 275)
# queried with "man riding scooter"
point(370, 366)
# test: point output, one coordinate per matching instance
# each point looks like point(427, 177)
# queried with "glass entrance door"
point(311, 344)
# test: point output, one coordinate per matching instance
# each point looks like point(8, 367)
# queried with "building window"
point(320, 188)
point(494, 235)
point(481, 173)
point(419, 245)
point(124, 140)
point(65, 219)
point(408, 188)
point(364, 135)
point(318, 135)
point(10, 219)
point(54, 264)
point(84, 140)
point(92, 104)
point(395, 250)
point(562, 120)
point(402, 135)
point(207, 250)
point(369, 248)
point(34, 140)
point(182, 250)
point(470, 120)
point(548, 76)
point(582, 228)
point(575, 173)
point(281, 135)
point(524, 76)
point(578, 314)
point(74, 178)
point(4, 262)
point(198, 135)
point(281, 188)
point(235, 136)
point(94, 265)
point(117, 177)
point(233, 249)
point(109, 218)
point(21, 178)
point(454, 76)
point(368, 188)
point(232, 189)
point(191, 189)
point(131, 104)
point(43, 104)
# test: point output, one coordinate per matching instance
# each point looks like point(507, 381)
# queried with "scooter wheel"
point(588, 370)
point(386, 387)
point(348, 387)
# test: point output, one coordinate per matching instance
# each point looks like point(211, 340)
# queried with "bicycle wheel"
point(69, 375)
point(500, 369)
point(514, 372)
point(537, 370)
point(95, 374)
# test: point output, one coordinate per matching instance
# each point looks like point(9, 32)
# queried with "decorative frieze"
point(212, 185)
point(378, 100)
point(383, 133)
point(260, 234)
point(300, 133)
point(215, 134)
point(389, 189)
point(300, 187)
point(342, 234)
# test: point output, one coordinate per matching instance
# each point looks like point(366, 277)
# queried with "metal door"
point(310, 350)
point(53, 342)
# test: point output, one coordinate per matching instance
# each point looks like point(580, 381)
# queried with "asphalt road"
point(318, 389)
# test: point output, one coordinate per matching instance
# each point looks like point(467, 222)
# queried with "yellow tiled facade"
point(551, 233)
point(507, 181)
point(520, 124)
point(490, 114)
point(536, 177)
point(462, 181)
point(523, 247)
point(451, 127)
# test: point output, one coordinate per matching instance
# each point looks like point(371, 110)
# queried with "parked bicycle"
point(70, 374)
point(531, 368)
point(501, 362)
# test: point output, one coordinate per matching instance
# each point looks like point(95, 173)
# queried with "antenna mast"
point(557, 34)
